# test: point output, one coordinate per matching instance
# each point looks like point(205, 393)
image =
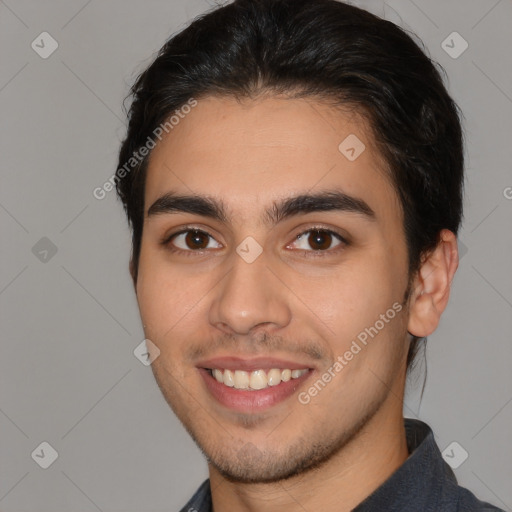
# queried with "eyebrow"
point(330, 200)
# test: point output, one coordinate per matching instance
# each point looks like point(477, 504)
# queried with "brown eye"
point(191, 240)
point(196, 240)
point(318, 240)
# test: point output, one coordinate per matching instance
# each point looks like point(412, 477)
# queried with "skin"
point(338, 448)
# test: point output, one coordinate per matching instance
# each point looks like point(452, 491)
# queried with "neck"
point(341, 483)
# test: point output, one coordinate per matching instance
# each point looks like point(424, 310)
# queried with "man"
point(293, 174)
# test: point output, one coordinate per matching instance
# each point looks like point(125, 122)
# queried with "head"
point(276, 107)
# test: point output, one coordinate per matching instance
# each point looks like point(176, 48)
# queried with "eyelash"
point(308, 253)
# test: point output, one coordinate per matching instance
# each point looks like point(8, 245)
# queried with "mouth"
point(255, 380)
point(252, 385)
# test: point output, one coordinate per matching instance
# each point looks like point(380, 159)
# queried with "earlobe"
point(432, 286)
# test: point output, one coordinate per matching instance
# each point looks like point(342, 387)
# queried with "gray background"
point(70, 322)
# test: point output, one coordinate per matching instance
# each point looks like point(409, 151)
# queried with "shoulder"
point(439, 489)
point(460, 499)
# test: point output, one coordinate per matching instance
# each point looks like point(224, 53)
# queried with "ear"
point(432, 285)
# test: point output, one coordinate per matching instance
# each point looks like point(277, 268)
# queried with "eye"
point(314, 241)
point(191, 240)
point(320, 240)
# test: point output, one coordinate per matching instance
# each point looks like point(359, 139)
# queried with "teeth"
point(229, 378)
point(274, 377)
point(241, 379)
point(258, 379)
point(286, 375)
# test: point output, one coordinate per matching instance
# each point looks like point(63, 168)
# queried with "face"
point(288, 254)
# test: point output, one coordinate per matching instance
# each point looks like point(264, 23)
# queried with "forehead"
point(253, 153)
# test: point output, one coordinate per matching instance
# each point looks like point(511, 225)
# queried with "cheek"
point(170, 301)
point(351, 299)
point(160, 295)
point(358, 333)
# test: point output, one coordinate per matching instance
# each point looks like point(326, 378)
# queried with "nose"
point(249, 296)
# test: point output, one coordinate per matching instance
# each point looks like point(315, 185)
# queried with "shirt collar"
point(420, 482)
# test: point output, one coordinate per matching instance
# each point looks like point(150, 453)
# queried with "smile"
point(255, 380)
point(253, 390)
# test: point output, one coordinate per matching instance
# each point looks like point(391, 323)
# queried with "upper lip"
point(260, 363)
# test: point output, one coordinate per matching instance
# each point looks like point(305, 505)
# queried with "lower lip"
point(251, 401)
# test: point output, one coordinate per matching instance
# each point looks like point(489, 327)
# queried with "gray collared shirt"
point(423, 483)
